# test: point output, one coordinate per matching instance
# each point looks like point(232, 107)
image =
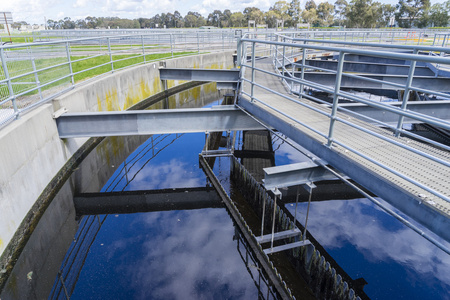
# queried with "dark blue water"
point(366, 242)
point(182, 254)
point(192, 254)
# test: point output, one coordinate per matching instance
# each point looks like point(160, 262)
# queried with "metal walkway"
point(417, 182)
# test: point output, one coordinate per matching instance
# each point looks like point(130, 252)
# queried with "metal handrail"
point(288, 78)
point(15, 61)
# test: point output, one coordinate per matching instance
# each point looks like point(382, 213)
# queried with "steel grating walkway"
point(421, 169)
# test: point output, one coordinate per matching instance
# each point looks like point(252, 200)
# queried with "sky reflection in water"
point(165, 255)
point(396, 262)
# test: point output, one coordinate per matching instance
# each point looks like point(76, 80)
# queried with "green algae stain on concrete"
point(112, 101)
point(135, 95)
point(156, 85)
point(99, 104)
point(110, 148)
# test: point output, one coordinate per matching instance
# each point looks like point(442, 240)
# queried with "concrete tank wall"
point(32, 153)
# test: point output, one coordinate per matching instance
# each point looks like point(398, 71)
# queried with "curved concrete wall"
point(32, 153)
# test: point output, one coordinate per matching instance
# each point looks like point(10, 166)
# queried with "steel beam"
point(146, 201)
point(424, 82)
point(164, 121)
point(217, 75)
point(372, 68)
point(294, 174)
point(437, 109)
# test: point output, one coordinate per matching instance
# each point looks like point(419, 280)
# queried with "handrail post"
point(110, 55)
point(239, 52)
point(337, 88)
point(276, 51)
point(283, 69)
point(70, 63)
point(401, 118)
point(292, 64)
point(171, 45)
point(302, 76)
point(10, 88)
point(36, 78)
point(253, 72)
point(198, 44)
point(143, 48)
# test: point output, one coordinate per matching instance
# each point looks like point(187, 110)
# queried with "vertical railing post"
point(337, 88)
point(143, 48)
point(36, 78)
point(276, 51)
point(412, 68)
point(110, 55)
point(253, 72)
point(9, 83)
point(283, 68)
point(171, 44)
point(239, 52)
point(277, 194)
point(70, 63)
point(198, 44)
point(302, 76)
point(292, 64)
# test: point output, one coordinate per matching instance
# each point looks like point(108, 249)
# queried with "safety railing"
point(289, 57)
point(33, 73)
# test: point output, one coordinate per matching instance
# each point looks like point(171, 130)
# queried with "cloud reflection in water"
point(369, 243)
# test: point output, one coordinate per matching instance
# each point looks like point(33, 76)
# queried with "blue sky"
point(34, 11)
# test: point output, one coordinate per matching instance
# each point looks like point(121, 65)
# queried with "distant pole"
point(6, 22)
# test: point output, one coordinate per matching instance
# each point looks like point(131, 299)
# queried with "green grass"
point(97, 61)
point(17, 39)
point(77, 66)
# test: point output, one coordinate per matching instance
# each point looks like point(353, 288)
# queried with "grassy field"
point(128, 60)
point(97, 65)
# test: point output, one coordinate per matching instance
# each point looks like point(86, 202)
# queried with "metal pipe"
point(354, 50)
point(253, 72)
point(273, 219)
point(10, 88)
point(337, 87)
point(36, 78)
point(110, 55)
point(263, 214)
point(307, 213)
point(406, 95)
point(70, 63)
point(413, 115)
point(143, 47)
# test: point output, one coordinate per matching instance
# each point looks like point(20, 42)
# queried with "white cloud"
point(80, 3)
point(336, 222)
point(164, 175)
point(189, 252)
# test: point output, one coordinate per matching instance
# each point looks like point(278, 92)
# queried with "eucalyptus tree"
point(412, 12)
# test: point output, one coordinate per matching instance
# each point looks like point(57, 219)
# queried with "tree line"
point(353, 14)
